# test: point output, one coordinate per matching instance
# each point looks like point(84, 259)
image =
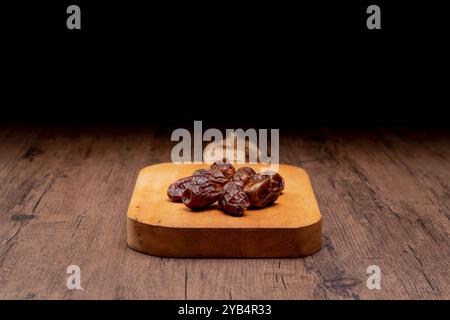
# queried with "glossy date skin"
point(276, 178)
point(214, 176)
point(227, 169)
point(263, 190)
point(201, 195)
point(176, 189)
point(244, 175)
point(233, 200)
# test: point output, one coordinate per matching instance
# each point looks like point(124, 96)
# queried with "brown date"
point(214, 176)
point(276, 178)
point(233, 200)
point(176, 189)
point(262, 191)
point(201, 195)
point(244, 174)
point(201, 172)
point(226, 168)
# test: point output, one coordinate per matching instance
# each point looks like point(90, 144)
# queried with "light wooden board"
point(291, 227)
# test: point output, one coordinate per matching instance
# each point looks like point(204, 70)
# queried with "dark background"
point(261, 64)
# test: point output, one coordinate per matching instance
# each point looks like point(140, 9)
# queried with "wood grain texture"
point(290, 228)
point(383, 194)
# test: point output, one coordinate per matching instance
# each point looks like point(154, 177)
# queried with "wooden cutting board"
point(291, 227)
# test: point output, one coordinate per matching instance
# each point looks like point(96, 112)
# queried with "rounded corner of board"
point(152, 166)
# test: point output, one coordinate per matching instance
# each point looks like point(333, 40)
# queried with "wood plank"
point(383, 194)
point(355, 196)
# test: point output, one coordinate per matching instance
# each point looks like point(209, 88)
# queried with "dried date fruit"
point(276, 178)
point(214, 176)
point(235, 191)
point(233, 200)
point(226, 168)
point(201, 172)
point(201, 195)
point(262, 191)
point(176, 189)
point(244, 174)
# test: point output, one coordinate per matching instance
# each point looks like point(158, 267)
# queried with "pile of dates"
point(235, 190)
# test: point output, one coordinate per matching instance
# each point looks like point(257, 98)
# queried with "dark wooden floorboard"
point(64, 191)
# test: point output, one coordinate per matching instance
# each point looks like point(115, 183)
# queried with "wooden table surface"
point(64, 191)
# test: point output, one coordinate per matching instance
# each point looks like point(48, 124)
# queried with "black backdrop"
point(255, 64)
